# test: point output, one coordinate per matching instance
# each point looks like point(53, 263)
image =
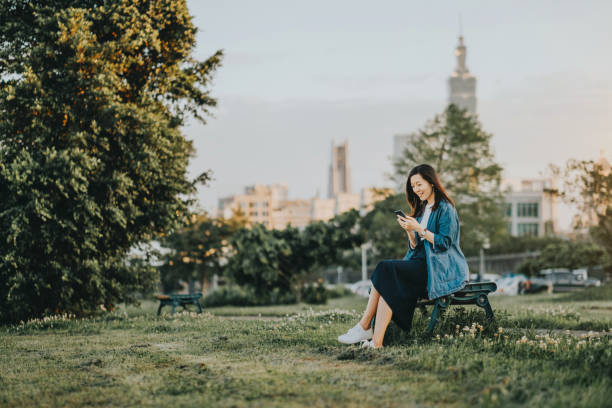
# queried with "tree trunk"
point(204, 283)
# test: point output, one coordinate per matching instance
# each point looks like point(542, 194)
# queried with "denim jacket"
point(447, 269)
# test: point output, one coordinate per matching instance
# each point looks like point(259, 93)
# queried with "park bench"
point(179, 300)
point(475, 293)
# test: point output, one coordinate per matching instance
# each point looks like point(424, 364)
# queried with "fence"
point(500, 263)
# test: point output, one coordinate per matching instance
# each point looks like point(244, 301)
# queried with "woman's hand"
point(409, 224)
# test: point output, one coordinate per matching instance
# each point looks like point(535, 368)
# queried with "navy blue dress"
point(401, 284)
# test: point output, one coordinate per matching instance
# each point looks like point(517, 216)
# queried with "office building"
point(257, 203)
point(339, 171)
point(531, 207)
point(462, 84)
point(461, 92)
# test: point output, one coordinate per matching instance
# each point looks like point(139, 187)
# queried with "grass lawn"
point(132, 358)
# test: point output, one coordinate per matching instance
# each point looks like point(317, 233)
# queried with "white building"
point(531, 206)
point(297, 213)
point(257, 203)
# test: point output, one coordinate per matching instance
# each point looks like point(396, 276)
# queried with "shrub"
point(315, 294)
point(338, 291)
point(245, 296)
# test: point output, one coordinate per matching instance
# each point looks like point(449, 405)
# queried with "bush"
point(338, 291)
point(244, 296)
point(315, 294)
point(564, 254)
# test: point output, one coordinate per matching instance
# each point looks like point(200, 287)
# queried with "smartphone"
point(400, 213)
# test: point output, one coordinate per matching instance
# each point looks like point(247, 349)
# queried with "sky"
point(297, 76)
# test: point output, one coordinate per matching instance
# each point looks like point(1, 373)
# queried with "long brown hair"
point(430, 175)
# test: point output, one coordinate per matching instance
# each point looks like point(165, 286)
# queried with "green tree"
point(259, 261)
point(286, 260)
point(197, 251)
point(512, 245)
point(455, 144)
point(92, 159)
point(588, 186)
point(564, 254)
point(323, 244)
point(380, 227)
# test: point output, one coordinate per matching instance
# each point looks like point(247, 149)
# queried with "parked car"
point(565, 280)
point(487, 277)
point(535, 285)
point(361, 288)
point(509, 283)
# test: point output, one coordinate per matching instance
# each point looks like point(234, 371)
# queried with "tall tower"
point(462, 84)
point(339, 171)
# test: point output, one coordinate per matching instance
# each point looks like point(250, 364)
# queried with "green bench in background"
point(179, 300)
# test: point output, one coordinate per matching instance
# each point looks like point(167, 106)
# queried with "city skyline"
point(544, 89)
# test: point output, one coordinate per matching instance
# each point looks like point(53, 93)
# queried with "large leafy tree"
point(92, 159)
point(455, 144)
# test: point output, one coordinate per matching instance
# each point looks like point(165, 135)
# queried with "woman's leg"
point(383, 317)
point(370, 311)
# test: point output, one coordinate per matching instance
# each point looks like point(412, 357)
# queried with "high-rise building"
point(269, 204)
point(461, 92)
point(400, 142)
point(339, 171)
point(462, 84)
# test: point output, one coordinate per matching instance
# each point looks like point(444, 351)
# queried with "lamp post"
point(481, 269)
point(364, 259)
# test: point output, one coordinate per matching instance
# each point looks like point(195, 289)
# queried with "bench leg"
point(483, 301)
point(423, 309)
point(199, 306)
point(173, 306)
point(161, 304)
point(439, 306)
point(433, 319)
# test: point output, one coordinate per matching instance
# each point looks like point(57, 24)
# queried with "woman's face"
point(421, 187)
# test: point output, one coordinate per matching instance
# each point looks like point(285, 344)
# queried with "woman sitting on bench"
point(434, 265)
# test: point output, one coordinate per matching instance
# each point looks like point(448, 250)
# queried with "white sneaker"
point(368, 344)
point(355, 335)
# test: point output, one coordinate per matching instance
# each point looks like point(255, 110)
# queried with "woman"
point(434, 265)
